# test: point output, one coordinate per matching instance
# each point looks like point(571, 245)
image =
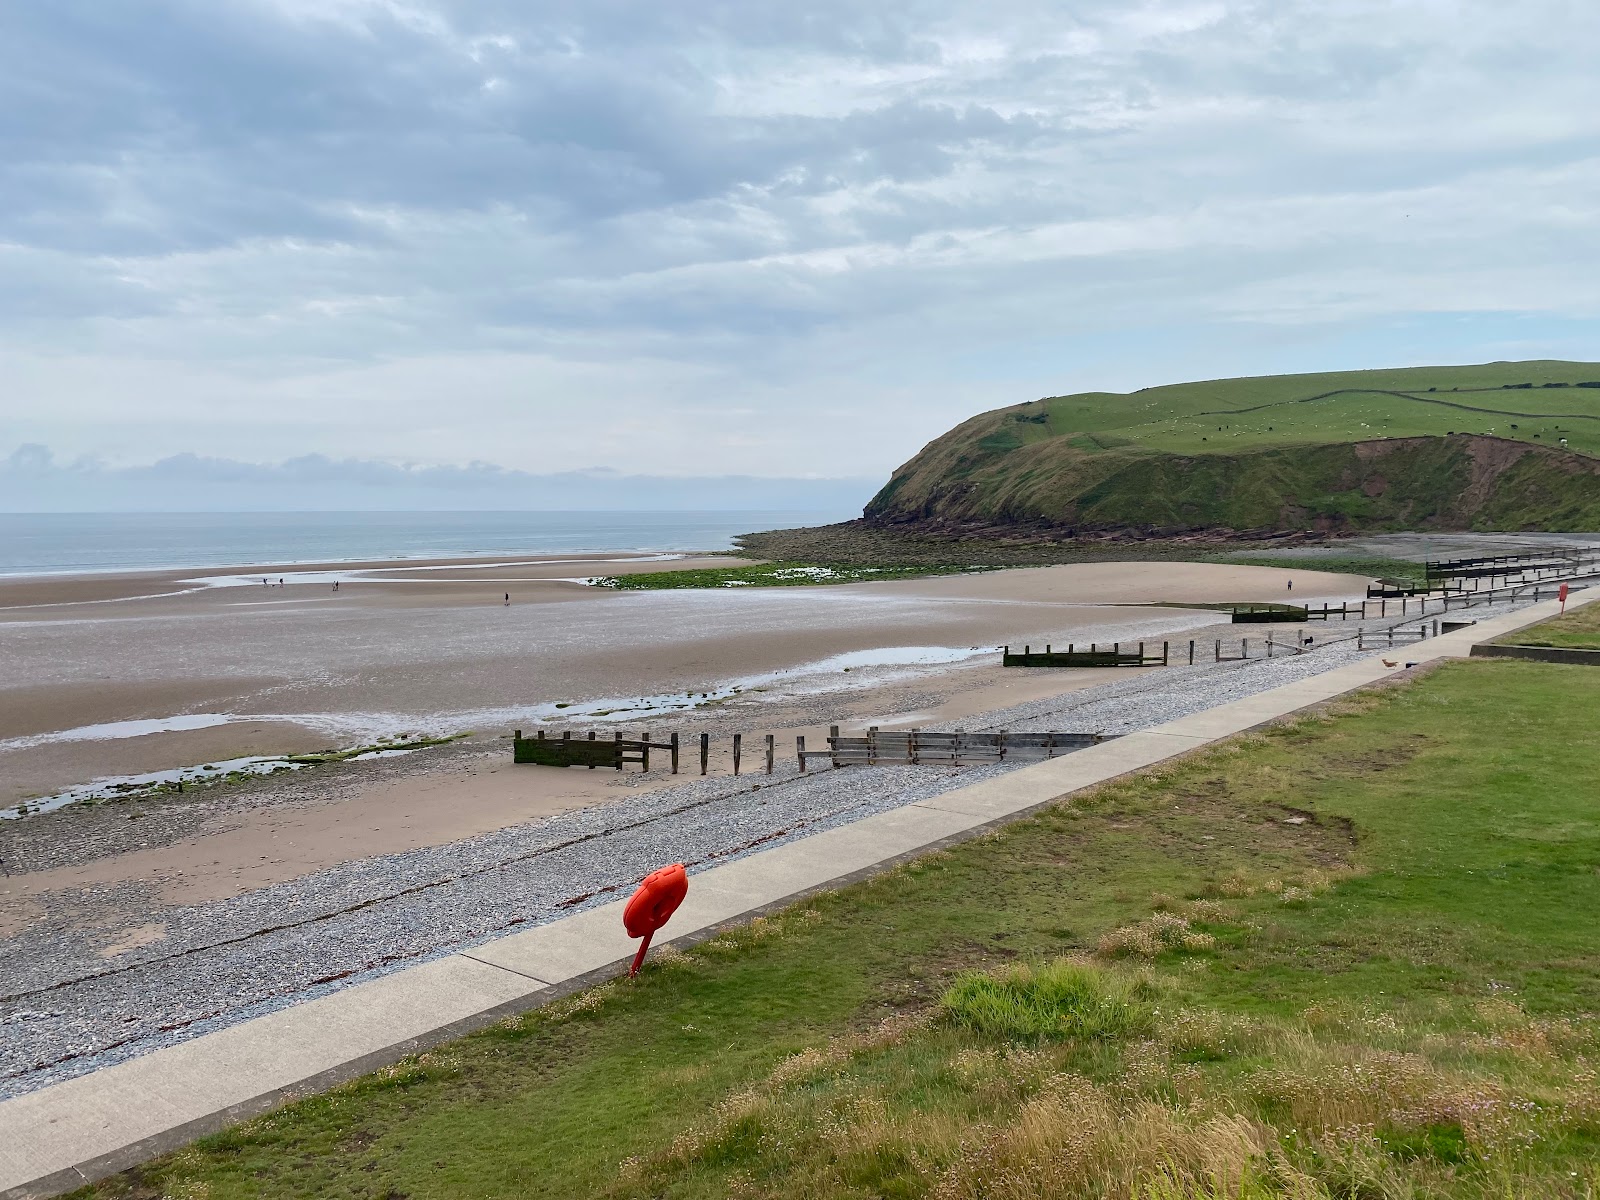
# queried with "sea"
point(78, 543)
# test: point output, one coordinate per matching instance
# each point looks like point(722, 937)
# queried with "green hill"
point(1499, 446)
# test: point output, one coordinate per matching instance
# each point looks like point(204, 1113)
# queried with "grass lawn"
point(776, 574)
point(1576, 630)
point(1225, 415)
point(1354, 956)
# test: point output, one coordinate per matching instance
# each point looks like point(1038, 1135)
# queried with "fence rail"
point(1094, 656)
point(1268, 614)
point(618, 751)
point(922, 747)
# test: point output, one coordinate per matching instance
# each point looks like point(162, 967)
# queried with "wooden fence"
point(1541, 566)
point(1268, 614)
point(618, 751)
point(920, 747)
point(1094, 656)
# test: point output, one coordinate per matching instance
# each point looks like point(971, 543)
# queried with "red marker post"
point(1562, 596)
point(652, 907)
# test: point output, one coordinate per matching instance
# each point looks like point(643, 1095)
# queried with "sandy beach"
point(180, 669)
point(221, 667)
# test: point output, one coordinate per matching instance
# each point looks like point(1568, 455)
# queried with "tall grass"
point(1061, 999)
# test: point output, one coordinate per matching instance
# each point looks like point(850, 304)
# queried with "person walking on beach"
point(508, 599)
point(1290, 585)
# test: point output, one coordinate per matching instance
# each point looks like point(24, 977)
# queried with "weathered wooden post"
point(1244, 648)
point(1191, 652)
point(1163, 654)
point(1219, 649)
point(800, 752)
point(674, 752)
point(705, 751)
point(644, 754)
point(770, 741)
point(619, 749)
point(1269, 645)
point(737, 739)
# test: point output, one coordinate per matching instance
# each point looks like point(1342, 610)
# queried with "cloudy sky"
point(756, 238)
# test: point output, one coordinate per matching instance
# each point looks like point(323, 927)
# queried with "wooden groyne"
point(618, 750)
point(921, 747)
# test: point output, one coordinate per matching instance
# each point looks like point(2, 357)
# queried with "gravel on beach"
point(66, 1010)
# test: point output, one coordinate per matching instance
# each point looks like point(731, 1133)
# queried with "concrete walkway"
point(83, 1129)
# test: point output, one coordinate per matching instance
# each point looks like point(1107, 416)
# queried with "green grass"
point(1227, 415)
point(1576, 630)
point(1276, 453)
point(777, 574)
point(1350, 957)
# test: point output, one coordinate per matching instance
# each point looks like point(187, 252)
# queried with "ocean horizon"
point(93, 543)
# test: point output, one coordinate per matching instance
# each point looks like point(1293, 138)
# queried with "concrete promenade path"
point(62, 1136)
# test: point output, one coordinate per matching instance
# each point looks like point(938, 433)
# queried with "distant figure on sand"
point(1291, 585)
point(508, 599)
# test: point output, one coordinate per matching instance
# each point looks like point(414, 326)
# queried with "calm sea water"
point(53, 543)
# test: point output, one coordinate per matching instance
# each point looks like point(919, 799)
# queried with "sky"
point(399, 240)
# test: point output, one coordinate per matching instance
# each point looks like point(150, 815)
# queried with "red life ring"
point(653, 904)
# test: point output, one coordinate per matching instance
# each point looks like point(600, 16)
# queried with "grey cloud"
point(775, 198)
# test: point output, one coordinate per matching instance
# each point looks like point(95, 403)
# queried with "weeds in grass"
point(1159, 933)
point(1062, 999)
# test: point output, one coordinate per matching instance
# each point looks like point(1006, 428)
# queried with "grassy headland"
point(1500, 446)
point(1353, 956)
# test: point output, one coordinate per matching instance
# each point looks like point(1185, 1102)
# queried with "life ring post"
point(638, 959)
point(652, 906)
